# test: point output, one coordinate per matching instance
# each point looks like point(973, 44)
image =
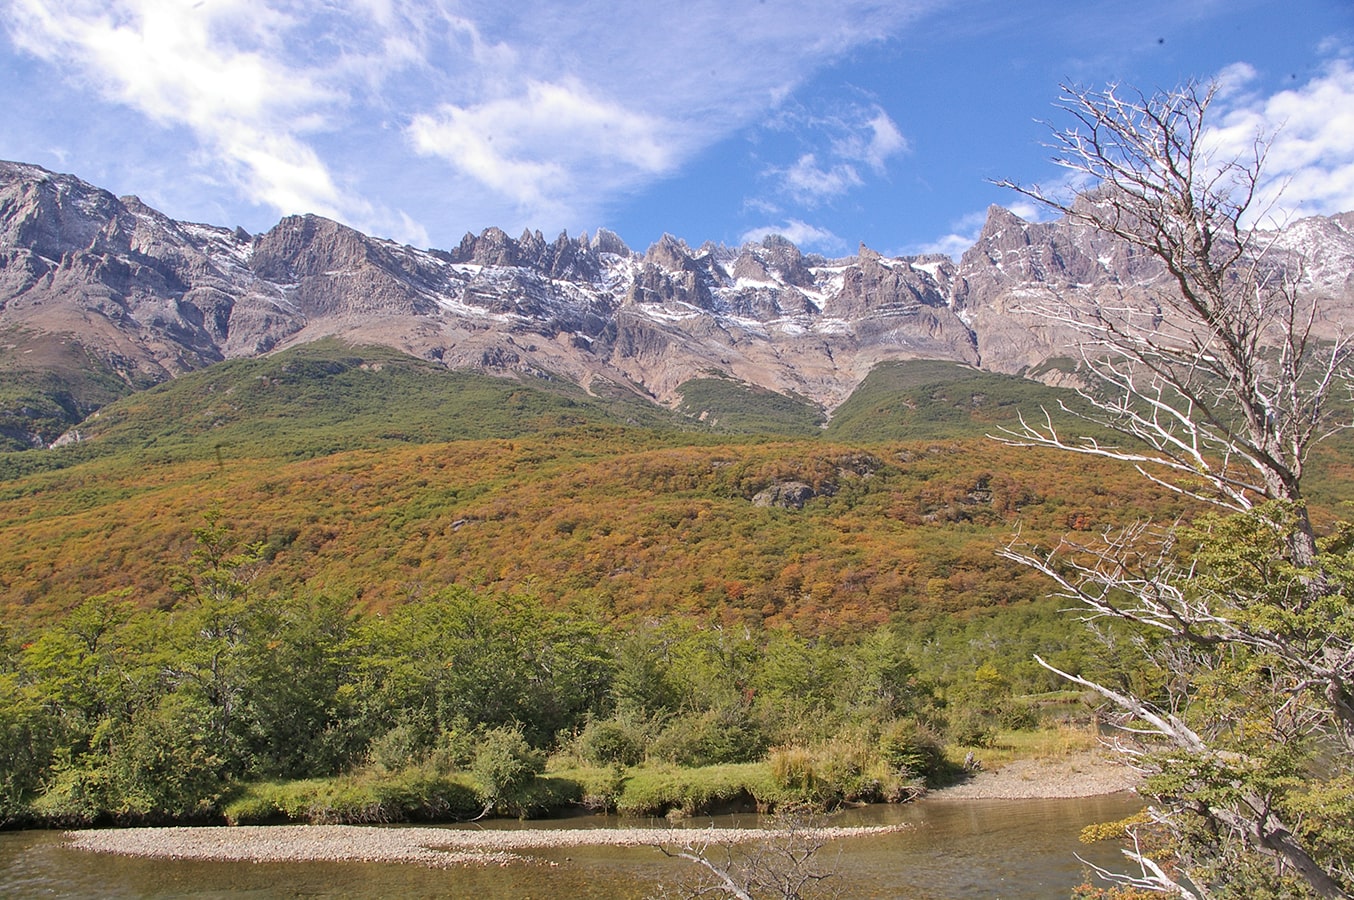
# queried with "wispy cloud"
point(215, 68)
point(548, 145)
point(811, 183)
point(849, 144)
point(879, 140)
point(967, 229)
point(964, 234)
point(546, 110)
point(802, 234)
point(1309, 166)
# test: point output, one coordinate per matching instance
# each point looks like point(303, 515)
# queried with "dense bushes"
point(449, 705)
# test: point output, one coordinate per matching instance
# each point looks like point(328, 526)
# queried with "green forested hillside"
point(47, 385)
point(725, 405)
point(373, 478)
point(328, 397)
point(932, 398)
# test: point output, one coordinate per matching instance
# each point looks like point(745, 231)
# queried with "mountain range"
point(101, 296)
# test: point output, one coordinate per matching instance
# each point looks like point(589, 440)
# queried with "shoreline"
point(1078, 775)
point(1087, 773)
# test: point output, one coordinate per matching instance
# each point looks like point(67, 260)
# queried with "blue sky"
point(833, 122)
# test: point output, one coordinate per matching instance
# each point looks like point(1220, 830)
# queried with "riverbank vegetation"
point(252, 706)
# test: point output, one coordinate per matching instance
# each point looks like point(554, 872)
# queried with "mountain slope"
point(141, 298)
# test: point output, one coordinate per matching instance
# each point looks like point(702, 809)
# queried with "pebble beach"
point(440, 847)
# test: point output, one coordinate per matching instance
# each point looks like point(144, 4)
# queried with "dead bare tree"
point(785, 863)
point(1223, 381)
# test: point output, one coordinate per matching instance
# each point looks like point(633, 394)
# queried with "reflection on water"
point(1010, 849)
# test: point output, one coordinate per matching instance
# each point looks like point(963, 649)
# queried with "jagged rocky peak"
point(494, 248)
point(570, 260)
point(52, 214)
point(564, 259)
point(465, 250)
point(165, 296)
point(605, 241)
point(749, 267)
point(299, 246)
point(531, 245)
point(671, 254)
point(1003, 230)
point(876, 284)
point(786, 260)
point(775, 260)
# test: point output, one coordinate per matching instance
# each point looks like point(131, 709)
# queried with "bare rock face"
point(1019, 271)
point(149, 297)
point(327, 269)
point(788, 495)
point(112, 274)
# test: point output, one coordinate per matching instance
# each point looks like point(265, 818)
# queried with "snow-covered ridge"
point(181, 295)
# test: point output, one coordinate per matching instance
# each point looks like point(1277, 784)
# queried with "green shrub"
point(404, 745)
point(615, 741)
point(503, 767)
point(857, 767)
point(74, 796)
point(909, 748)
point(1017, 717)
point(796, 770)
point(164, 768)
point(547, 793)
point(656, 791)
point(454, 748)
point(414, 794)
point(971, 728)
point(713, 737)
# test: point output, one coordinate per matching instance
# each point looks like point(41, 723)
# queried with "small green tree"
point(206, 640)
point(503, 765)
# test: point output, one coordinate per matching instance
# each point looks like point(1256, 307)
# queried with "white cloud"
point(1235, 78)
point(968, 228)
point(847, 141)
point(553, 111)
point(883, 140)
point(181, 65)
point(952, 245)
point(799, 233)
point(963, 236)
point(541, 147)
point(810, 183)
point(1309, 165)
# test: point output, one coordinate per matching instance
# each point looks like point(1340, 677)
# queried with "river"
point(957, 849)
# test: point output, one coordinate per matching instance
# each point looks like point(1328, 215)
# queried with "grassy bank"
point(824, 777)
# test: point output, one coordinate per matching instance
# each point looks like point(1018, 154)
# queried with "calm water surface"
point(1011, 849)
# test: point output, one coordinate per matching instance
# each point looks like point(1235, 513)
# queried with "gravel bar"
point(1087, 774)
point(439, 847)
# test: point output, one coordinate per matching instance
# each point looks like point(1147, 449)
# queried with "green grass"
point(413, 794)
point(49, 386)
point(735, 407)
point(1047, 742)
point(663, 790)
point(325, 398)
point(927, 399)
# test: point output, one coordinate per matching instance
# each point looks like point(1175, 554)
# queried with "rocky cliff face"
point(152, 297)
